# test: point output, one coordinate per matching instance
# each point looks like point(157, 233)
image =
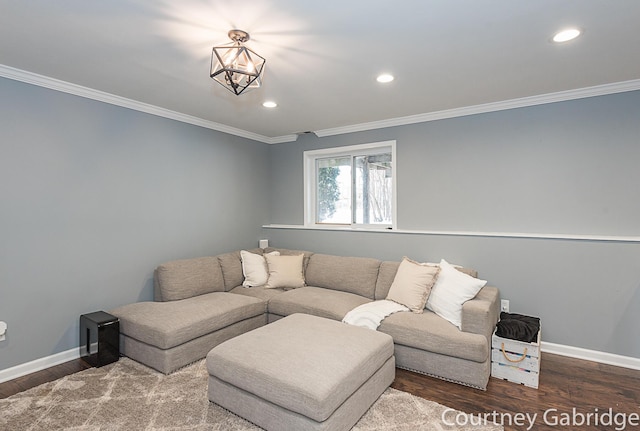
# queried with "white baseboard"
point(557, 349)
point(591, 355)
point(38, 365)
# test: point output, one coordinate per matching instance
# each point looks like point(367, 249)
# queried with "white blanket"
point(371, 314)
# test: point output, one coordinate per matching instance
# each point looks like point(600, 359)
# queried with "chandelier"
point(235, 66)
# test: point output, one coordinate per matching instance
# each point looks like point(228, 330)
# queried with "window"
point(351, 185)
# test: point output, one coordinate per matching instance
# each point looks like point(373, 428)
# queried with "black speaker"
point(99, 338)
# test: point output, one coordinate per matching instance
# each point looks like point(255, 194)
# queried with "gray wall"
point(93, 197)
point(568, 168)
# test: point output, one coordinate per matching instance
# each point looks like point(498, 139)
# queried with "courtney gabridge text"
point(617, 421)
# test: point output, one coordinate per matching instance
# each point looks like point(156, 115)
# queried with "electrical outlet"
point(504, 305)
point(3, 330)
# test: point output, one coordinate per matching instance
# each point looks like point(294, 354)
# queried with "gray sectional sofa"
point(200, 303)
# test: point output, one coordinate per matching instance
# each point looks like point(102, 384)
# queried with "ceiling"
point(323, 56)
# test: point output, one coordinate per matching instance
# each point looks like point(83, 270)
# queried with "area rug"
point(129, 396)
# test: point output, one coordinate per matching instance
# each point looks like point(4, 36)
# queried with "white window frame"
point(310, 179)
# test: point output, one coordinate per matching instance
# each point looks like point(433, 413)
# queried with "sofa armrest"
point(480, 314)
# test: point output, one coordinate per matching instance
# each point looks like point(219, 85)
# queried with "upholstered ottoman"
point(301, 372)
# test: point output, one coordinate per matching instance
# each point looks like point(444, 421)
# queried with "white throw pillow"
point(254, 268)
point(285, 271)
point(451, 290)
point(412, 284)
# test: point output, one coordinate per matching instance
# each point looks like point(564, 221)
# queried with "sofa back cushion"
point(289, 252)
point(348, 274)
point(388, 271)
point(180, 279)
point(385, 278)
point(231, 265)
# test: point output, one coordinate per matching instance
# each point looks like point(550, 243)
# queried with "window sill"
point(572, 237)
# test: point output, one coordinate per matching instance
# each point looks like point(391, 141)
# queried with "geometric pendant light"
point(235, 66)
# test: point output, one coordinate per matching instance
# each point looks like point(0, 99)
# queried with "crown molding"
point(281, 139)
point(561, 96)
point(101, 96)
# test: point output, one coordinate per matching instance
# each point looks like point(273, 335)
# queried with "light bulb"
point(566, 35)
point(384, 78)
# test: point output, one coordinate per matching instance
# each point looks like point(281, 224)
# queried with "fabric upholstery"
point(231, 266)
point(270, 416)
point(289, 365)
point(288, 252)
point(484, 308)
point(168, 335)
point(331, 304)
point(185, 278)
point(348, 274)
point(168, 324)
point(254, 269)
point(388, 271)
point(285, 271)
point(450, 368)
point(469, 271)
point(452, 289)
point(169, 360)
point(386, 275)
point(412, 284)
point(430, 332)
point(259, 292)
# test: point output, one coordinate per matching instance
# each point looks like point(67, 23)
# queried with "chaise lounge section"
point(191, 313)
point(200, 303)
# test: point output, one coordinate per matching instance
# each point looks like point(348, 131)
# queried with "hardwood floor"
point(29, 381)
point(565, 384)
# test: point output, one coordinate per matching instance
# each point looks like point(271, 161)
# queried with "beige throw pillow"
point(254, 268)
point(285, 271)
point(412, 284)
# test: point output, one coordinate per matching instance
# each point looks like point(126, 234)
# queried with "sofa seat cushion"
point(259, 292)
point(430, 332)
point(169, 324)
point(317, 301)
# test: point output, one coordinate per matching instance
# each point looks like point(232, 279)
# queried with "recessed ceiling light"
point(566, 35)
point(269, 104)
point(384, 78)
